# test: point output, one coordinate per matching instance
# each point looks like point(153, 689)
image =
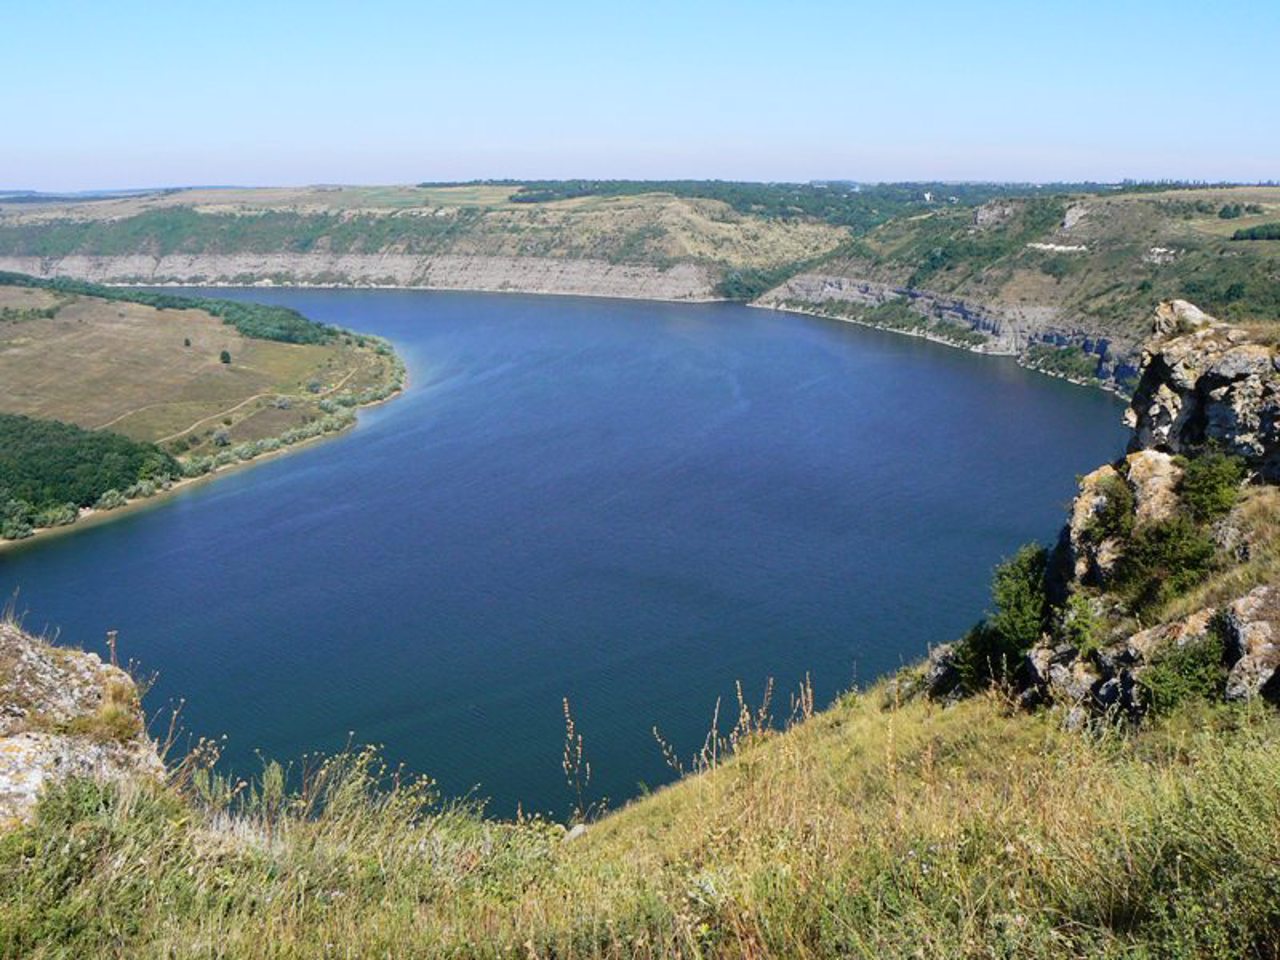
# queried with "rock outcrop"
point(64, 713)
point(1203, 382)
point(1252, 628)
point(1011, 329)
point(596, 278)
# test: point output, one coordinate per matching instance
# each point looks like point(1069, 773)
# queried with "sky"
point(124, 94)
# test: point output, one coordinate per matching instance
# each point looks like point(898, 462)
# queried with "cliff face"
point(64, 713)
point(597, 278)
point(1009, 329)
point(1206, 383)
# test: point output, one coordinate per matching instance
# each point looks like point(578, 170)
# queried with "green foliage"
point(994, 648)
point(1059, 266)
point(1187, 672)
point(21, 314)
point(1162, 560)
point(48, 468)
point(1234, 211)
point(1080, 624)
point(748, 283)
point(1114, 517)
point(1265, 231)
point(256, 320)
point(860, 207)
point(225, 356)
point(1210, 485)
point(1070, 361)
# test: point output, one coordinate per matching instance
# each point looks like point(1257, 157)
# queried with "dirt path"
point(222, 413)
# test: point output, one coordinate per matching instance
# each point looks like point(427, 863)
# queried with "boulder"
point(942, 671)
point(64, 713)
point(1252, 628)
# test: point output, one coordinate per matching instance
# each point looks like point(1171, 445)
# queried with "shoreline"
point(1107, 386)
point(273, 285)
point(90, 516)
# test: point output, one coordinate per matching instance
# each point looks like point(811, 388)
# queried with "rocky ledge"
point(64, 713)
point(1204, 382)
point(1206, 389)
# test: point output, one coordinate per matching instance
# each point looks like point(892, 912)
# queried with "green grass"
point(864, 831)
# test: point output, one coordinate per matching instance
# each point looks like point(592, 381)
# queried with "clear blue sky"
point(121, 94)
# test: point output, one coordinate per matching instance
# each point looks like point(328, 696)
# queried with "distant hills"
point(1011, 268)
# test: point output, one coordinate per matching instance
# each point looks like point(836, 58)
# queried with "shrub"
point(225, 356)
point(111, 500)
point(992, 649)
point(1210, 485)
point(1192, 671)
point(1162, 560)
point(1080, 624)
point(1114, 517)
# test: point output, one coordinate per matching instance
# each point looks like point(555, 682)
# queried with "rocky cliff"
point(1162, 579)
point(1208, 383)
point(64, 713)
point(585, 277)
point(1030, 331)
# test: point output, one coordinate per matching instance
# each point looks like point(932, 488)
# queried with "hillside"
point(1067, 283)
point(648, 245)
point(1091, 771)
point(1063, 276)
point(211, 383)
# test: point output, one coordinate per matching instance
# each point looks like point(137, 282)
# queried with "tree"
point(225, 356)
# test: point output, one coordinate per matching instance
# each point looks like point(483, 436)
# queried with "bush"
point(992, 649)
point(111, 500)
point(1193, 671)
point(1080, 625)
point(1210, 485)
point(1162, 560)
point(1114, 517)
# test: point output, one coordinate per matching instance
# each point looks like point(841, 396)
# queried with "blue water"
point(629, 504)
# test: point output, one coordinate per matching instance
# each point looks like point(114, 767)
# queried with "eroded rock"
point(1203, 382)
point(1252, 628)
point(64, 713)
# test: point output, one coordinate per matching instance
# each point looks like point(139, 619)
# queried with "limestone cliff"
point(1204, 385)
point(1208, 383)
point(583, 277)
point(1003, 328)
point(64, 713)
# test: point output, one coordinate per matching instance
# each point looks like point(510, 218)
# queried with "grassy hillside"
point(867, 830)
point(212, 382)
point(155, 373)
point(651, 228)
point(1081, 272)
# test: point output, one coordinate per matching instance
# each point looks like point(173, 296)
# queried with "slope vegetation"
point(210, 382)
point(475, 237)
point(1067, 282)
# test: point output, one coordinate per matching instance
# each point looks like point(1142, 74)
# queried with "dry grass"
point(1257, 521)
point(127, 367)
point(921, 831)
